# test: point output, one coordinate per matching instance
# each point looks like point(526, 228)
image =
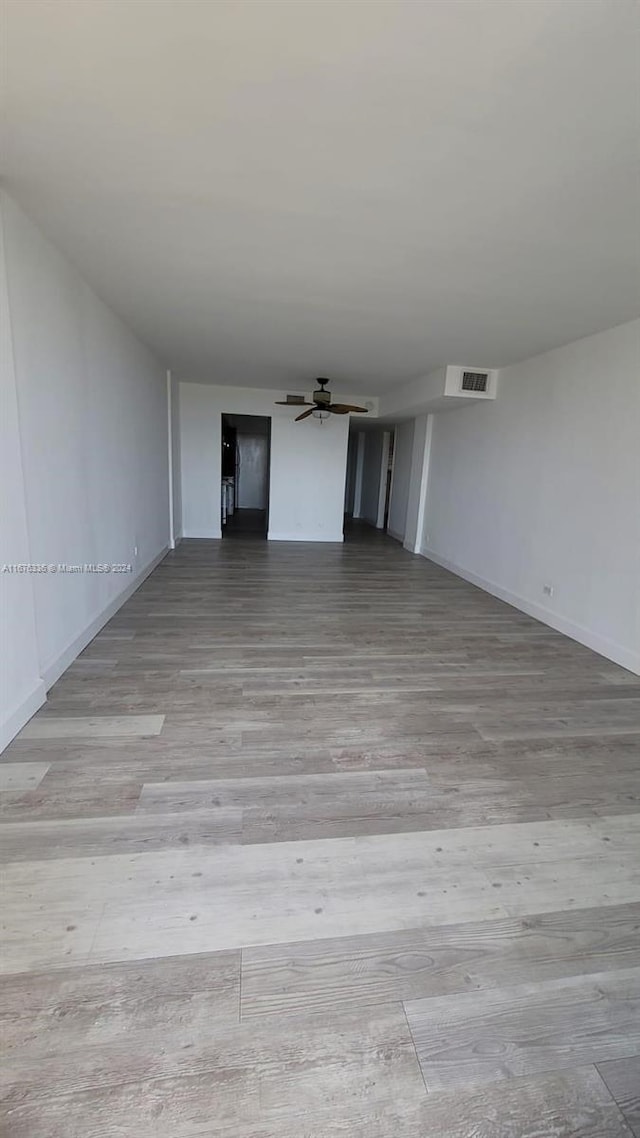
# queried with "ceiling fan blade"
point(303, 415)
point(286, 403)
point(344, 408)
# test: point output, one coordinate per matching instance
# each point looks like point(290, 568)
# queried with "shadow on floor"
point(247, 523)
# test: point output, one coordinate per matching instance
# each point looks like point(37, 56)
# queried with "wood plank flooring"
point(323, 842)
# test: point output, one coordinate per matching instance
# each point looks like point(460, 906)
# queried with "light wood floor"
point(322, 842)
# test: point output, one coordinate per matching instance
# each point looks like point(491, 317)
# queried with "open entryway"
point(246, 447)
point(369, 476)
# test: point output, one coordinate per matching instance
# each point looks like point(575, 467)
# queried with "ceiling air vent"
point(471, 383)
point(475, 380)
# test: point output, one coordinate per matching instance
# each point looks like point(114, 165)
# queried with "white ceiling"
point(267, 191)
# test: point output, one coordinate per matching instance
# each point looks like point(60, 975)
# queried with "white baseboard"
point(621, 655)
point(22, 714)
point(411, 547)
point(38, 695)
point(396, 536)
point(297, 536)
point(214, 535)
point(60, 665)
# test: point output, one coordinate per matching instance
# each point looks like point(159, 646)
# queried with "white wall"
point(418, 480)
point(308, 464)
point(416, 396)
point(92, 415)
point(401, 479)
point(543, 487)
point(21, 688)
point(175, 460)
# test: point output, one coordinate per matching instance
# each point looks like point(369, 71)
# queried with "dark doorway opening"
point(246, 457)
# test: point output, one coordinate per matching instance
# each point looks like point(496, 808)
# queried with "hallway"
point(317, 841)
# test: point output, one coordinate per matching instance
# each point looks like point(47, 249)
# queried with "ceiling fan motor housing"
point(320, 395)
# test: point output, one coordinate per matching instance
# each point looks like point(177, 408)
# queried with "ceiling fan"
point(322, 406)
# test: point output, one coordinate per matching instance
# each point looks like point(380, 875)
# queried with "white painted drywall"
point(308, 464)
point(92, 411)
point(176, 473)
point(21, 688)
point(542, 487)
point(418, 480)
point(375, 188)
point(384, 479)
point(415, 396)
point(401, 479)
point(200, 457)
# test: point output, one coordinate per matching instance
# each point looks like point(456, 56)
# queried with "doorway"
point(246, 454)
point(369, 474)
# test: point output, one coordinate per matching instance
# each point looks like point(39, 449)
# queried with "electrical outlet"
point(547, 590)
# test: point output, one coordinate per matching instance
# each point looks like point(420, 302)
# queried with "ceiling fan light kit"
point(322, 407)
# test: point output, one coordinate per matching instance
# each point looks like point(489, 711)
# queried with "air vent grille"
point(475, 380)
point(296, 400)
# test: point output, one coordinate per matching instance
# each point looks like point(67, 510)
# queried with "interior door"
point(252, 471)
